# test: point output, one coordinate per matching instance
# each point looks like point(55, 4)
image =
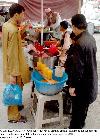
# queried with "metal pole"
point(80, 5)
point(42, 22)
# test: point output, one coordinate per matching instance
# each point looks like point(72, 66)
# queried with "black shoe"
point(20, 107)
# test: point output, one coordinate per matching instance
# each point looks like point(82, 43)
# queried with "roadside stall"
point(36, 16)
point(48, 81)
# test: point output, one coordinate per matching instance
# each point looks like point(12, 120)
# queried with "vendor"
point(64, 43)
point(52, 21)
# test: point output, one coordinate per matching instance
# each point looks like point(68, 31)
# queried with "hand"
point(72, 91)
point(58, 44)
point(59, 48)
point(12, 79)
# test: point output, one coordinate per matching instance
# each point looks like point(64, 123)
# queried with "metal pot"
point(50, 61)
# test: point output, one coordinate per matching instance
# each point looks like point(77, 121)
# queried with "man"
point(63, 44)
point(81, 67)
point(65, 41)
point(52, 21)
point(15, 69)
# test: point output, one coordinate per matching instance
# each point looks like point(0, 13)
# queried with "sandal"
point(12, 121)
point(22, 119)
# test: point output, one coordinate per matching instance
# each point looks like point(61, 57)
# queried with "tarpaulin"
point(66, 8)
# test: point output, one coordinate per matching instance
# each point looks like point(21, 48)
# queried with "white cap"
point(48, 10)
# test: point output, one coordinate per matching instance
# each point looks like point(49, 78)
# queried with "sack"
point(12, 95)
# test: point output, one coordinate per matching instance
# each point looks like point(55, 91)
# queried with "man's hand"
point(12, 79)
point(72, 91)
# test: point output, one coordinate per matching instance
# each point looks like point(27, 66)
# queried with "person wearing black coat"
point(81, 67)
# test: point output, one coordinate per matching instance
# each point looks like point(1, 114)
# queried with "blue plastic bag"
point(12, 95)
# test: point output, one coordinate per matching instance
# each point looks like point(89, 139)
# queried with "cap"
point(48, 10)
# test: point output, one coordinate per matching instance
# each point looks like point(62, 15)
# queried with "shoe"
point(20, 107)
point(22, 119)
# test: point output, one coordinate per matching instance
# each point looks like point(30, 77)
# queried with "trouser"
point(13, 113)
point(79, 113)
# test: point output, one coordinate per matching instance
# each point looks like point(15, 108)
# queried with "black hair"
point(64, 24)
point(79, 21)
point(16, 8)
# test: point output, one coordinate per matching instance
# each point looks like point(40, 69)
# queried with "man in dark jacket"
point(81, 67)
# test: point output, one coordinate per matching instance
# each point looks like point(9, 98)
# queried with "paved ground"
point(93, 118)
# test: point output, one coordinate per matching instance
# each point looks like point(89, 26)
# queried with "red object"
point(30, 26)
point(53, 50)
point(48, 43)
point(36, 43)
point(38, 46)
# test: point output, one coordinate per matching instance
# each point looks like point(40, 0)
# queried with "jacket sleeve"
point(74, 66)
point(90, 62)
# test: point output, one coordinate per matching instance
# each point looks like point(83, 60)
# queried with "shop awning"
point(66, 8)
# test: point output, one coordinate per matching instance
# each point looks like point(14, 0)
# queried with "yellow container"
point(45, 72)
point(43, 66)
point(49, 74)
point(39, 65)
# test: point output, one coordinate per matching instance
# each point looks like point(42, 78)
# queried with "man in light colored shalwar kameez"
point(52, 20)
point(15, 69)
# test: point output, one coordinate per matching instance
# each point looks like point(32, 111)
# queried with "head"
point(63, 25)
point(16, 12)
point(48, 11)
point(79, 23)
